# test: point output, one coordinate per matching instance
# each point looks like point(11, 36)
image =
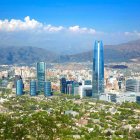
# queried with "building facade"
point(133, 85)
point(98, 69)
point(63, 85)
point(47, 88)
point(33, 88)
point(19, 87)
point(41, 75)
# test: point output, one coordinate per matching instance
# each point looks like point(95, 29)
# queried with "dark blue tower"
point(19, 87)
point(63, 84)
point(98, 69)
point(33, 91)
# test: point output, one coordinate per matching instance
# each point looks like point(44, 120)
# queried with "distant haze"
point(59, 39)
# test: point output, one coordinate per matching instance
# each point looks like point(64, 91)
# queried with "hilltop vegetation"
point(64, 118)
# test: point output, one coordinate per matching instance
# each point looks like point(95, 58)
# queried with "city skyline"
point(69, 69)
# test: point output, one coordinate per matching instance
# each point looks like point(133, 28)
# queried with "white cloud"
point(134, 33)
point(32, 24)
point(51, 28)
point(18, 25)
point(30, 32)
point(77, 29)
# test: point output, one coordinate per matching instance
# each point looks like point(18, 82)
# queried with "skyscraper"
point(98, 69)
point(47, 88)
point(33, 88)
point(19, 87)
point(63, 85)
point(41, 75)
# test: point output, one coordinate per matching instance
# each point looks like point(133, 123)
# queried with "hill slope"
point(27, 55)
point(112, 53)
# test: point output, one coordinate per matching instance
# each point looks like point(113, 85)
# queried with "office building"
point(87, 82)
point(85, 89)
point(16, 78)
point(63, 85)
point(118, 98)
point(19, 87)
point(133, 85)
point(47, 88)
point(33, 88)
point(69, 87)
point(41, 75)
point(76, 88)
point(98, 69)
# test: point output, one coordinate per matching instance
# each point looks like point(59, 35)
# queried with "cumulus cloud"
point(51, 28)
point(32, 24)
point(30, 32)
point(18, 25)
point(77, 29)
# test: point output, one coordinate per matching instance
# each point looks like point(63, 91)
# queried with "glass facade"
point(33, 91)
point(63, 85)
point(19, 87)
point(87, 82)
point(133, 85)
point(47, 88)
point(41, 75)
point(69, 87)
point(98, 69)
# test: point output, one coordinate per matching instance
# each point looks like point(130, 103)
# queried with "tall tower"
point(33, 88)
point(19, 87)
point(98, 69)
point(63, 83)
point(47, 88)
point(41, 75)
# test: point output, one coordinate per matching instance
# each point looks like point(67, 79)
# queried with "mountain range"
point(26, 54)
point(112, 53)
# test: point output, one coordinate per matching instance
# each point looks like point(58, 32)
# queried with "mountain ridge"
point(27, 54)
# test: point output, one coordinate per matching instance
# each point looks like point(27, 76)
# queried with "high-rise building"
point(41, 75)
point(69, 87)
point(17, 77)
point(76, 88)
point(98, 69)
point(19, 87)
point(133, 85)
point(63, 85)
point(47, 88)
point(33, 91)
point(87, 82)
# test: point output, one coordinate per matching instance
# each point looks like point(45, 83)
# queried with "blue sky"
point(105, 15)
point(114, 21)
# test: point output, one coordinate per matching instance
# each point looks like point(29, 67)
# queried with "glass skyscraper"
point(63, 83)
point(98, 69)
point(33, 88)
point(41, 75)
point(47, 88)
point(19, 87)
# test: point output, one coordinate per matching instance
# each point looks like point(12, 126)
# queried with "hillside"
point(27, 55)
point(112, 53)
